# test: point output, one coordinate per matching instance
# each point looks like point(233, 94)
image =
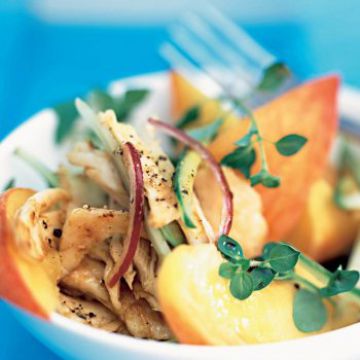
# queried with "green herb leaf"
point(242, 159)
point(227, 270)
point(283, 258)
point(132, 98)
point(206, 133)
point(273, 77)
point(267, 248)
point(100, 100)
point(262, 277)
point(245, 141)
point(243, 264)
point(309, 312)
point(263, 177)
point(341, 281)
point(189, 117)
point(10, 184)
point(290, 144)
point(230, 248)
point(66, 116)
point(241, 285)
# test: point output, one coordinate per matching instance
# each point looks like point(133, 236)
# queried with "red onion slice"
point(227, 210)
point(136, 212)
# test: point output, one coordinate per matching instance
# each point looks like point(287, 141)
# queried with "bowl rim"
point(347, 335)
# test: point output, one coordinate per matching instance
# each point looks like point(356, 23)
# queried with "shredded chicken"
point(88, 278)
point(84, 229)
point(157, 169)
point(90, 313)
point(98, 166)
point(140, 319)
point(83, 191)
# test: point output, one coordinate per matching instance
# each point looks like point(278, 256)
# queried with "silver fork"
point(220, 58)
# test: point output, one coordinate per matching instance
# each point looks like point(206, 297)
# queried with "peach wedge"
point(24, 282)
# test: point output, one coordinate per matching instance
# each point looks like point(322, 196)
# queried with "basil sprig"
point(277, 262)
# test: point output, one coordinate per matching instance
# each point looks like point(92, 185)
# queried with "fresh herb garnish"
point(191, 115)
point(9, 185)
point(206, 133)
point(244, 156)
point(49, 176)
point(309, 312)
point(273, 77)
point(290, 144)
point(67, 115)
point(100, 100)
point(127, 103)
point(242, 159)
point(278, 262)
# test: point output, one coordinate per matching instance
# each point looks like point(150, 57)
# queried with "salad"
point(215, 228)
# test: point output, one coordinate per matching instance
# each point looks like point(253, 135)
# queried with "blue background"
point(43, 63)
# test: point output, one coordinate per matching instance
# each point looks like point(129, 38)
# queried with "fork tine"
point(188, 70)
point(204, 32)
point(240, 38)
point(204, 58)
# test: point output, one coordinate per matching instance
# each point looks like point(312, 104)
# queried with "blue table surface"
point(42, 64)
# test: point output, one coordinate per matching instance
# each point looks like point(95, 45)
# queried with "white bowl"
point(76, 341)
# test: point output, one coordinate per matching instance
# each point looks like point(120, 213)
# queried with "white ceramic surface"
point(75, 341)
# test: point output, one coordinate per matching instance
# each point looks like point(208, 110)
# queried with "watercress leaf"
point(227, 270)
point(245, 141)
point(341, 281)
point(191, 115)
point(290, 144)
point(132, 98)
point(309, 311)
point(10, 184)
point(243, 263)
point(267, 248)
point(66, 117)
point(273, 77)
point(283, 257)
point(206, 133)
point(230, 248)
point(241, 285)
point(242, 159)
point(263, 177)
point(100, 100)
point(262, 277)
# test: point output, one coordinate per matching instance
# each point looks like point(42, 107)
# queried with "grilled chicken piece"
point(29, 226)
point(140, 293)
point(157, 169)
point(99, 167)
point(88, 278)
point(145, 261)
point(83, 191)
point(84, 229)
point(90, 313)
point(140, 320)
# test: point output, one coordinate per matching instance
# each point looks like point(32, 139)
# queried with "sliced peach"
point(324, 231)
point(308, 110)
point(200, 309)
point(23, 282)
